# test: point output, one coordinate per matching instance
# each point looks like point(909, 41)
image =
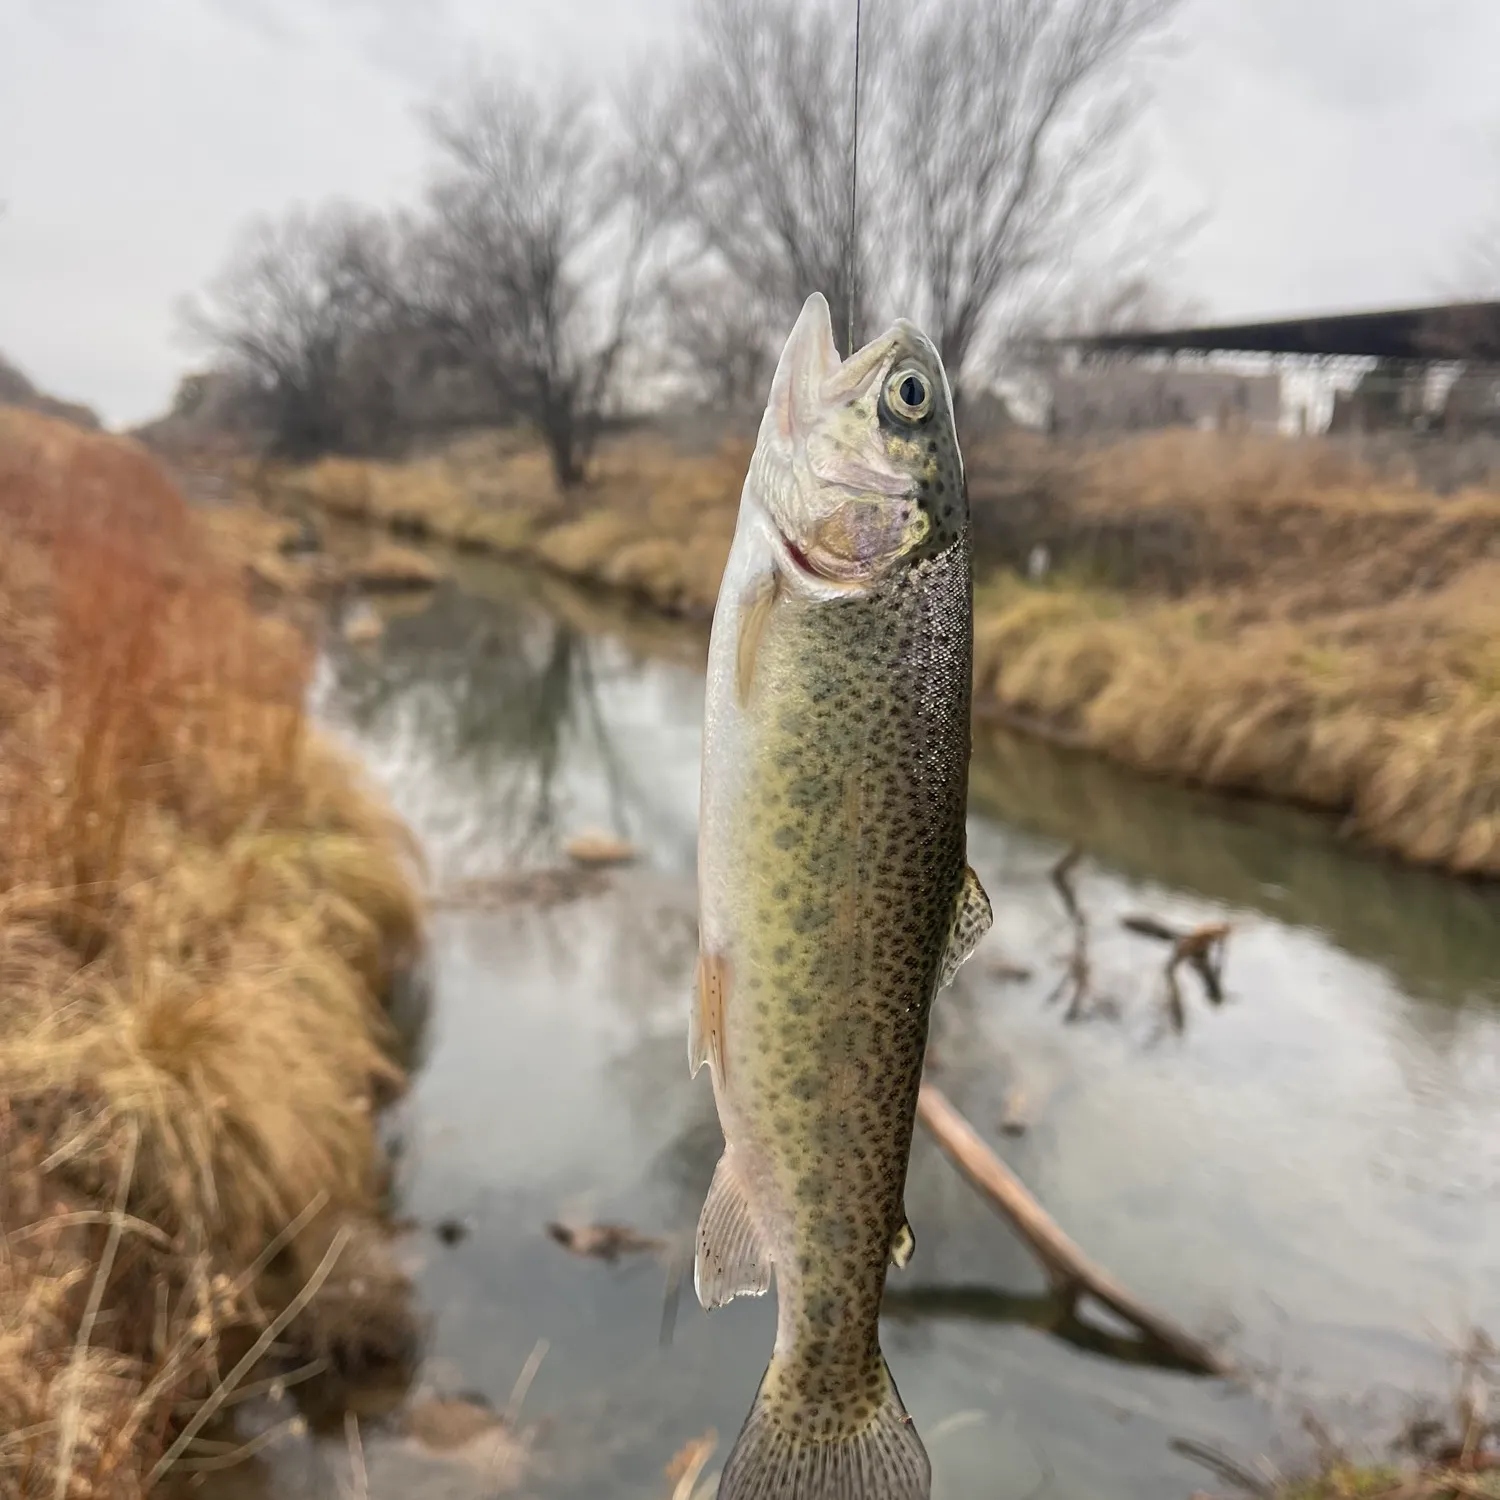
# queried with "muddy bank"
point(203, 909)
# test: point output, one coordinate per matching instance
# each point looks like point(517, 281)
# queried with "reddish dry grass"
point(200, 906)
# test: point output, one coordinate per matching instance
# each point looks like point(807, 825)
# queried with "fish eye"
point(909, 395)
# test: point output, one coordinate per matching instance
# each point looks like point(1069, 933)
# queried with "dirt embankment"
point(201, 910)
point(1243, 613)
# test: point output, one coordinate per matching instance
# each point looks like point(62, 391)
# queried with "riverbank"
point(202, 908)
point(1245, 614)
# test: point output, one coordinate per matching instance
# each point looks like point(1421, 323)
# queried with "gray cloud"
point(1343, 149)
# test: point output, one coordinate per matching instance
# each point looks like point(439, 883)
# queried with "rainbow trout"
point(834, 895)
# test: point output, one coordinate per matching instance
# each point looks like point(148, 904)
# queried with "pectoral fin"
point(706, 1021)
point(732, 1259)
point(972, 917)
point(755, 611)
point(903, 1246)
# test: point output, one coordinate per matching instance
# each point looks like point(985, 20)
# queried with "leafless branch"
point(1001, 124)
point(1201, 948)
point(298, 298)
point(509, 268)
point(758, 152)
point(1077, 981)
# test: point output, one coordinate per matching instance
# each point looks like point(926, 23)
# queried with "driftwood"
point(1069, 1269)
point(606, 1242)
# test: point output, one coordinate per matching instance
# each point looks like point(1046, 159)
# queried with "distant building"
point(1425, 367)
point(1381, 400)
point(1473, 401)
point(1132, 398)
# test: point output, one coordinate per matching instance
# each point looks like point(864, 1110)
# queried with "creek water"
point(1307, 1171)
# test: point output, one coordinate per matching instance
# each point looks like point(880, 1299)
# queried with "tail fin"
point(771, 1460)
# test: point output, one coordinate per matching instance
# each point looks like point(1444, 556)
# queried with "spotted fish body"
point(834, 893)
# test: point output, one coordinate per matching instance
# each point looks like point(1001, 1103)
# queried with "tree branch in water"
point(1069, 1269)
point(1201, 948)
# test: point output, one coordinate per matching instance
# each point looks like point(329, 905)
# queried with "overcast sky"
point(1342, 150)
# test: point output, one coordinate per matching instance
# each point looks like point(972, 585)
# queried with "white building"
point(1134, 397)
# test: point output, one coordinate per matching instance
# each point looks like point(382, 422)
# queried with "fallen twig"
point(690, 1462)
point(604, 1241)
point(1005, 972)
point(678, 1265)
point(1227, 1468)
point(1077, 980)
point(543, 888)
point(1201, 948)
point(523, 1381)
point(234, 1454)
point(359, 1478)
point(1069, 1269)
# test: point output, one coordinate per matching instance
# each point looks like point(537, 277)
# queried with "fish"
point(834, 891)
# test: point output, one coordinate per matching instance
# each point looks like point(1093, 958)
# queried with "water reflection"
point(1342, 1096)
point(496, 695)
point(1437, 936)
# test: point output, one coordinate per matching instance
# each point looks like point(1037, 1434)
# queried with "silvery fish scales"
point(835, 898)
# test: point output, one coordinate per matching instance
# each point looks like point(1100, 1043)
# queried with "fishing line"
point(853, 182)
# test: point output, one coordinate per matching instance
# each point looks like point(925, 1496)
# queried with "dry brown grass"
point(1303, 524)
point(649, 521)
point(386, 566)
point(253, 542)
point(200, 907)
point(1305, 632)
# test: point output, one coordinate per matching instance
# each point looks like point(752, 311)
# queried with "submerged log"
point(1068, 1268)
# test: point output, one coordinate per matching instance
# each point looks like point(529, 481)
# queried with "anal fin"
point(972, 916)
point(732, 1259)
point(903, 1246)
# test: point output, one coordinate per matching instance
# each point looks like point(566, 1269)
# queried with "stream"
point(1307, 1172)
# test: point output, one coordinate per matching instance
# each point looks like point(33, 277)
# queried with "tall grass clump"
point(1268, 619)
point(648, 521)
point(201, 908)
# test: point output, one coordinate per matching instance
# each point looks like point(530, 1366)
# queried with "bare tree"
point(510, 269)
point(757, 153)
point(1100, 304)
point(990, 140)
point(290, 310)
point(1002, 132)
point(721, 338)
